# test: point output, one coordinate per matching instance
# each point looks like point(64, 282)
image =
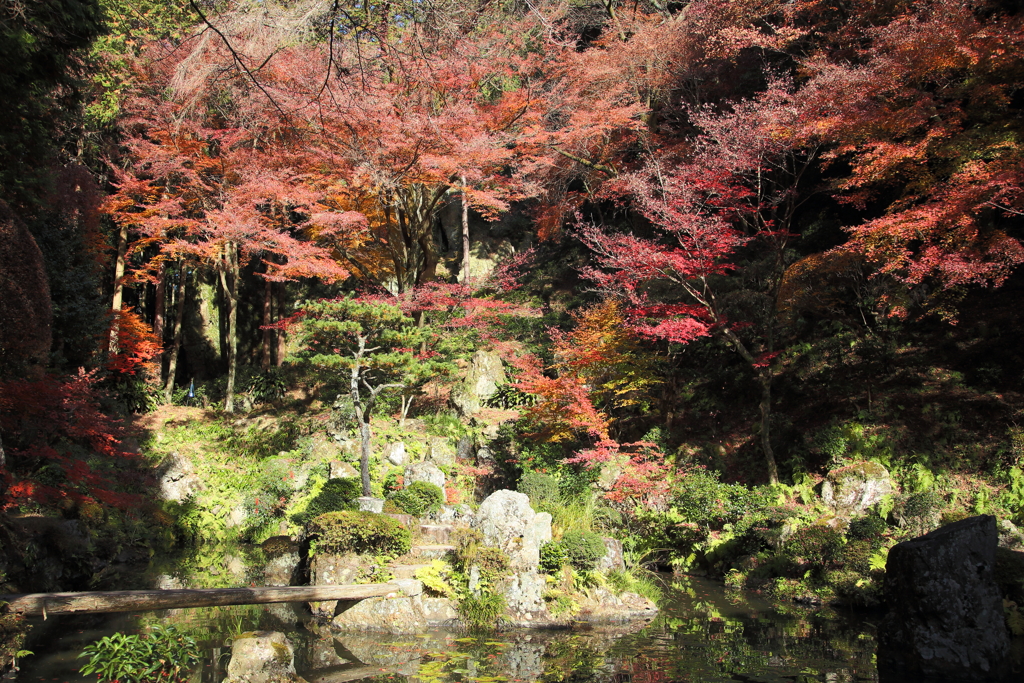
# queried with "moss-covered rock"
point(851, 490)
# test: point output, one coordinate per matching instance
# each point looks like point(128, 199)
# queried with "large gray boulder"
point(483, 377)
point(851, 490)
point(406, 611)
point(424, 471)
point(333, 570)
point(507, 521)
point(440, 451)
point(178, 478)
point(945, 618)
point(284, 564)
point(261, 657)
point(395, 453)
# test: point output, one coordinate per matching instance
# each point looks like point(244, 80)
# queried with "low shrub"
point(552, 557)
point(336, 495)
point(163, 654)
point(817, 544)
point(541, 488)
point(857, 555)
point(492, 563)
point(702, 498)
point(352, 531)
point(866, 528)
point(583, 549)
point(419, 498)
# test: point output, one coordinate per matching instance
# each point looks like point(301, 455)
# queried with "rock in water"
point(851, 490)
point(945, 619)
point(261, 657)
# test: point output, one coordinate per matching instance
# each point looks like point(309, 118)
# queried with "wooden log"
point(351, 672)
point(129, 601)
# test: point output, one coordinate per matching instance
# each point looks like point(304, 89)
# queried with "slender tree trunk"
point(363, 418)
point(3, 473)
point(280, 338)
point(766, 415)
point(179, 315)
point(465, 234)
point(159, 300)
point(265, 352)
point(231, 292)
point(115, 306)
point(764, 379)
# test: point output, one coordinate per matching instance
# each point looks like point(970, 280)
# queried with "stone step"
point(430, 552)
point(406, 571)
point(436, 533)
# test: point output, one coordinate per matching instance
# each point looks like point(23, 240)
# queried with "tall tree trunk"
point(265, 352)
point(159, 300)
point(179, 315)
point(115, 306)
point(3, 473)
point(280, 338)
point(465, 234)
point(764, 379)
point(230, 286)
point(766, 417)
point(362, 417)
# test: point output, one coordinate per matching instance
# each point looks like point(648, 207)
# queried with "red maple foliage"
point(44, 420)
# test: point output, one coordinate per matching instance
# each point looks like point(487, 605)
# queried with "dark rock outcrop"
point(945, 619)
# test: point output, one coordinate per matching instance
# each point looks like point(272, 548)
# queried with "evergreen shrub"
point(419, 498)
point(702, 498)
point(866, 528)
point(583, 549)
point(336, 495)
point(817, 544)
point(552, 557)
point(352, 531)
point(541, 488)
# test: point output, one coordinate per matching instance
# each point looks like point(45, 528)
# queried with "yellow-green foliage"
point(435, 578)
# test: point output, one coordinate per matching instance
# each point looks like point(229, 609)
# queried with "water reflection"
point(702, 634)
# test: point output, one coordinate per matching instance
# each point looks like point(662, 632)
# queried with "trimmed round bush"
point(354, 531)
point(336, 494)
point(541, 488)
point(419, 498)
point(583, 549)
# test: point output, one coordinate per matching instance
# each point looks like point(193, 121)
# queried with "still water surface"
point(703, 634)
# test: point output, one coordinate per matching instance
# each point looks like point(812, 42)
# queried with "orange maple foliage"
point(137, 347)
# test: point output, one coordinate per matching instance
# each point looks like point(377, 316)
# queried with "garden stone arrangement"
point(480, 574)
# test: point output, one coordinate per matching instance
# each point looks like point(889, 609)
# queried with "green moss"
point(281, 653)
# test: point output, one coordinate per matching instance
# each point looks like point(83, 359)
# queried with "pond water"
point(703, 634)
